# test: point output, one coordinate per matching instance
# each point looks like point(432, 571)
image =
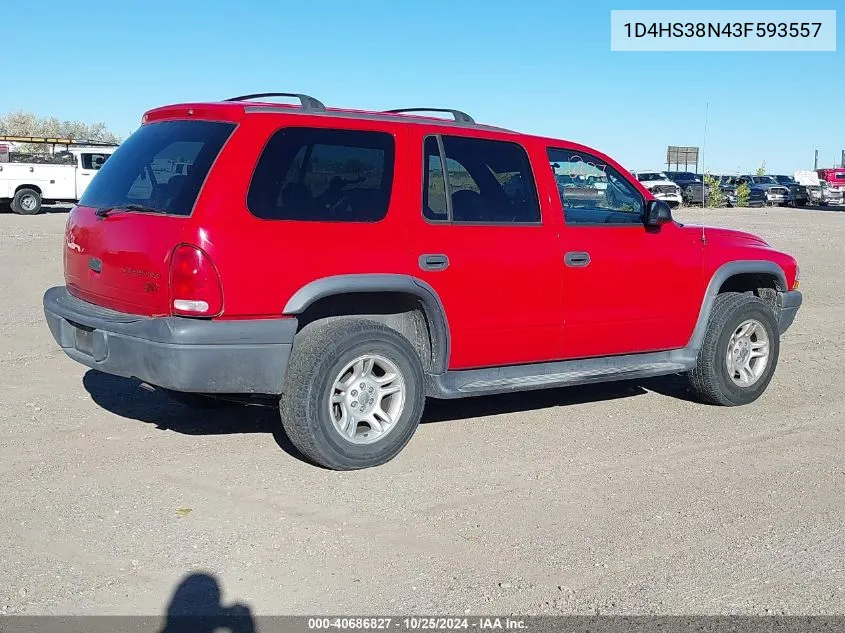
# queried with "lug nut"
point(354, 393)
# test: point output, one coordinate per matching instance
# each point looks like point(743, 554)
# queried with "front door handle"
point(433, 262)
point(576, 259)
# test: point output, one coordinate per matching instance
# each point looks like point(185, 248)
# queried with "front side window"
point(478, 181)
point(323, 175)
point(593, 192)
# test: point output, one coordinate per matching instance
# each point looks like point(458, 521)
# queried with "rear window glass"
point(323, 175)
point(161, 167)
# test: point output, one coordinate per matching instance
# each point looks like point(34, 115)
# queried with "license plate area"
point(84, 341)
point(89, 341)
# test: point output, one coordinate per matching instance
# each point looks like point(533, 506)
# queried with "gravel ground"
point(622, 498)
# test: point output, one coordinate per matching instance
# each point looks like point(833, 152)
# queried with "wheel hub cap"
point(367, 399)
point(747, 353)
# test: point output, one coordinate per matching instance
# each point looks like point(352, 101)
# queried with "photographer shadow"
point(196, 608)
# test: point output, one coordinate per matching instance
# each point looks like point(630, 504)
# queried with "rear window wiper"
point(101, 213)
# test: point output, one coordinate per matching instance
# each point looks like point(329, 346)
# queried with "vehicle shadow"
point(56, 208)
point(196, 607)
point(827, 207)
point(674, 386)
point(125, 398)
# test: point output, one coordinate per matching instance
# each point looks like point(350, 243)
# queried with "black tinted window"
point(323, 175)
point(145, 170)
point(593, 192)
point(488, 182)
point(93, 161)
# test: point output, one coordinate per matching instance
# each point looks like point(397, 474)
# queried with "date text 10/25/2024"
point(418, 623)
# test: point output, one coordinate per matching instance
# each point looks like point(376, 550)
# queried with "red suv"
point(350, 264)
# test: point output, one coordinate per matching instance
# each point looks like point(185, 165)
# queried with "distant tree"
point(21, 123)
point(761, 170)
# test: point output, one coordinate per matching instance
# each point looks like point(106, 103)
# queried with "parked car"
point(692, 187)
point(585, 190)
point(660, 186)
point(346, 265)
point(772, 192)
point(819, 191)
point(29, 180)
point(830, 196)
point(682, 177)
point(728, 190)
point(756, 194)
point(797, 192)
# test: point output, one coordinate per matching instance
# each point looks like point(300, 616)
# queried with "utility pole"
point(816, 162)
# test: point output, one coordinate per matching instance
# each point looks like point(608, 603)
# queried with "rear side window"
point(478, 181)
point(323, 175)
point(161, 167)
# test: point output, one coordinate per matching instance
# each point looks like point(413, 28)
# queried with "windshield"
point(160, 168)
point(764, 180)
point(651, 175)
point(785, 180)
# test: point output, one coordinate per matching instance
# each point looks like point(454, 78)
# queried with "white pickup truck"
point(26, 183)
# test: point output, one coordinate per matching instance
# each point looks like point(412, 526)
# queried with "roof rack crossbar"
point(307, 102)
point(460, 117)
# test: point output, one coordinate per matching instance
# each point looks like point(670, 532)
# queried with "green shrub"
point(743, 193)
point(714, 193)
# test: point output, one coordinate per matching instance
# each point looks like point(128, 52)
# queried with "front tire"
point(740, 351)
point(26, 202)
point(353, 393)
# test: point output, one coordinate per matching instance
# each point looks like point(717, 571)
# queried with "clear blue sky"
point(538, 66)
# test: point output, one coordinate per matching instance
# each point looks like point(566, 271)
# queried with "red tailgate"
point(120, 261)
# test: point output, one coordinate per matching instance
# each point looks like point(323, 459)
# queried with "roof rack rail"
point(460, 117)
point(307, 102)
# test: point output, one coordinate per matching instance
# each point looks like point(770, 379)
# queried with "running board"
point(476, 382)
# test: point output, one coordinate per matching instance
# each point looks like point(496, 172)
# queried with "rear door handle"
point(433, 262)
point(576, 259)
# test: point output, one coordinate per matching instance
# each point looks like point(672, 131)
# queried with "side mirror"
point(657, 212)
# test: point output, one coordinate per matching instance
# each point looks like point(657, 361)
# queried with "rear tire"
point(26, 202)
point(339, 405)
point(732, 368)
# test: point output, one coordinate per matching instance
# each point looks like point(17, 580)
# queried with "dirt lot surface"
point(620, 498)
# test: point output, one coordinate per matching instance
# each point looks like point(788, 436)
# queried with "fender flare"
point(722, 274)
point(383, 282)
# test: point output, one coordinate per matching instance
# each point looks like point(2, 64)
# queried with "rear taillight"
point(195, 288)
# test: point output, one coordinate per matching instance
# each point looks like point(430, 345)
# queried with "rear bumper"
point(182, 354)
point(788, 304)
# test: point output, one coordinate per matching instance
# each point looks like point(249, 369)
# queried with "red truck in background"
point(835, 177)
